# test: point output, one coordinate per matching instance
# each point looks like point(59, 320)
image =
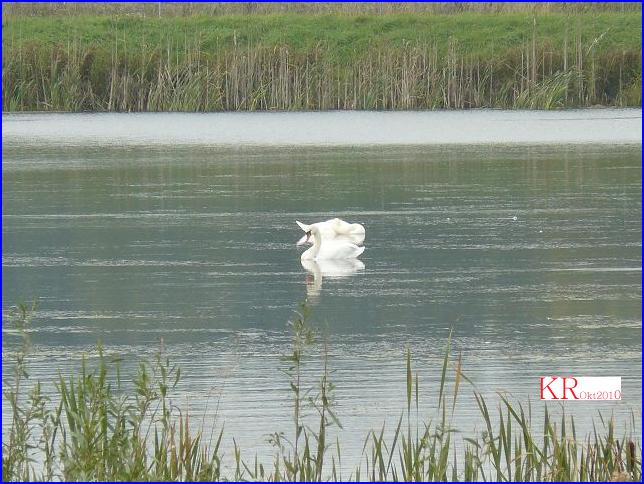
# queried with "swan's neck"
point(312, 253)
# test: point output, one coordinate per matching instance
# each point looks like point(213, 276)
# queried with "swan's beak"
point(303, 240)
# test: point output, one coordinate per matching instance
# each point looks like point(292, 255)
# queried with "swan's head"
point(311, 233)
point(307, 232)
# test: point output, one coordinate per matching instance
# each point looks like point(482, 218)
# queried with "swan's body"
point(334, 229)
point(335, 248)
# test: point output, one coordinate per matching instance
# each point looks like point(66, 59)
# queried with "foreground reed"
point(93, 428)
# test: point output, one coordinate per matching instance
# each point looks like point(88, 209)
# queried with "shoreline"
point(383, 111)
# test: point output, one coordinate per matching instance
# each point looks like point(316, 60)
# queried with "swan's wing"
point(327, 230)
point(349, 238)
point(354, 232)
point(335, 229)
point(338, 229)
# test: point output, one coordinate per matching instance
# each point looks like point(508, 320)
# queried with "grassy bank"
point(158, 9)
point(94, 428)
point(293, 60)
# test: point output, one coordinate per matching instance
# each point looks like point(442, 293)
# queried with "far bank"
point(321, 61)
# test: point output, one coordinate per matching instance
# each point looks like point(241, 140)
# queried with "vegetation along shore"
point(102, 425)
point(214, 57)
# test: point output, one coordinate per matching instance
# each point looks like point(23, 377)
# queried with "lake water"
point(518, 231)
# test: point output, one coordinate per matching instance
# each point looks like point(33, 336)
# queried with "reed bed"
point(577, 67)
point(93, 428)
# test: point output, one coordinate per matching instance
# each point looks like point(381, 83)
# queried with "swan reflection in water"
point(327, 268)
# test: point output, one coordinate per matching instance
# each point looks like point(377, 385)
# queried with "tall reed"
point(92, 428)
point(191, 76)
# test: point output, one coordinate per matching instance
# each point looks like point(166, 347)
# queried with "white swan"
point(335, 228)
point(329, 248)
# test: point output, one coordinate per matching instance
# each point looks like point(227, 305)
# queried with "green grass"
point(321, 61)
point(480, 34)
point(94, 428)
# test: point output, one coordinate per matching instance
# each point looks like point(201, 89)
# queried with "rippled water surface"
point(529, 253)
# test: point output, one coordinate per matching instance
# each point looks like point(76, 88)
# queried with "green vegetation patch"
point(482, 34)
point(320, 61)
